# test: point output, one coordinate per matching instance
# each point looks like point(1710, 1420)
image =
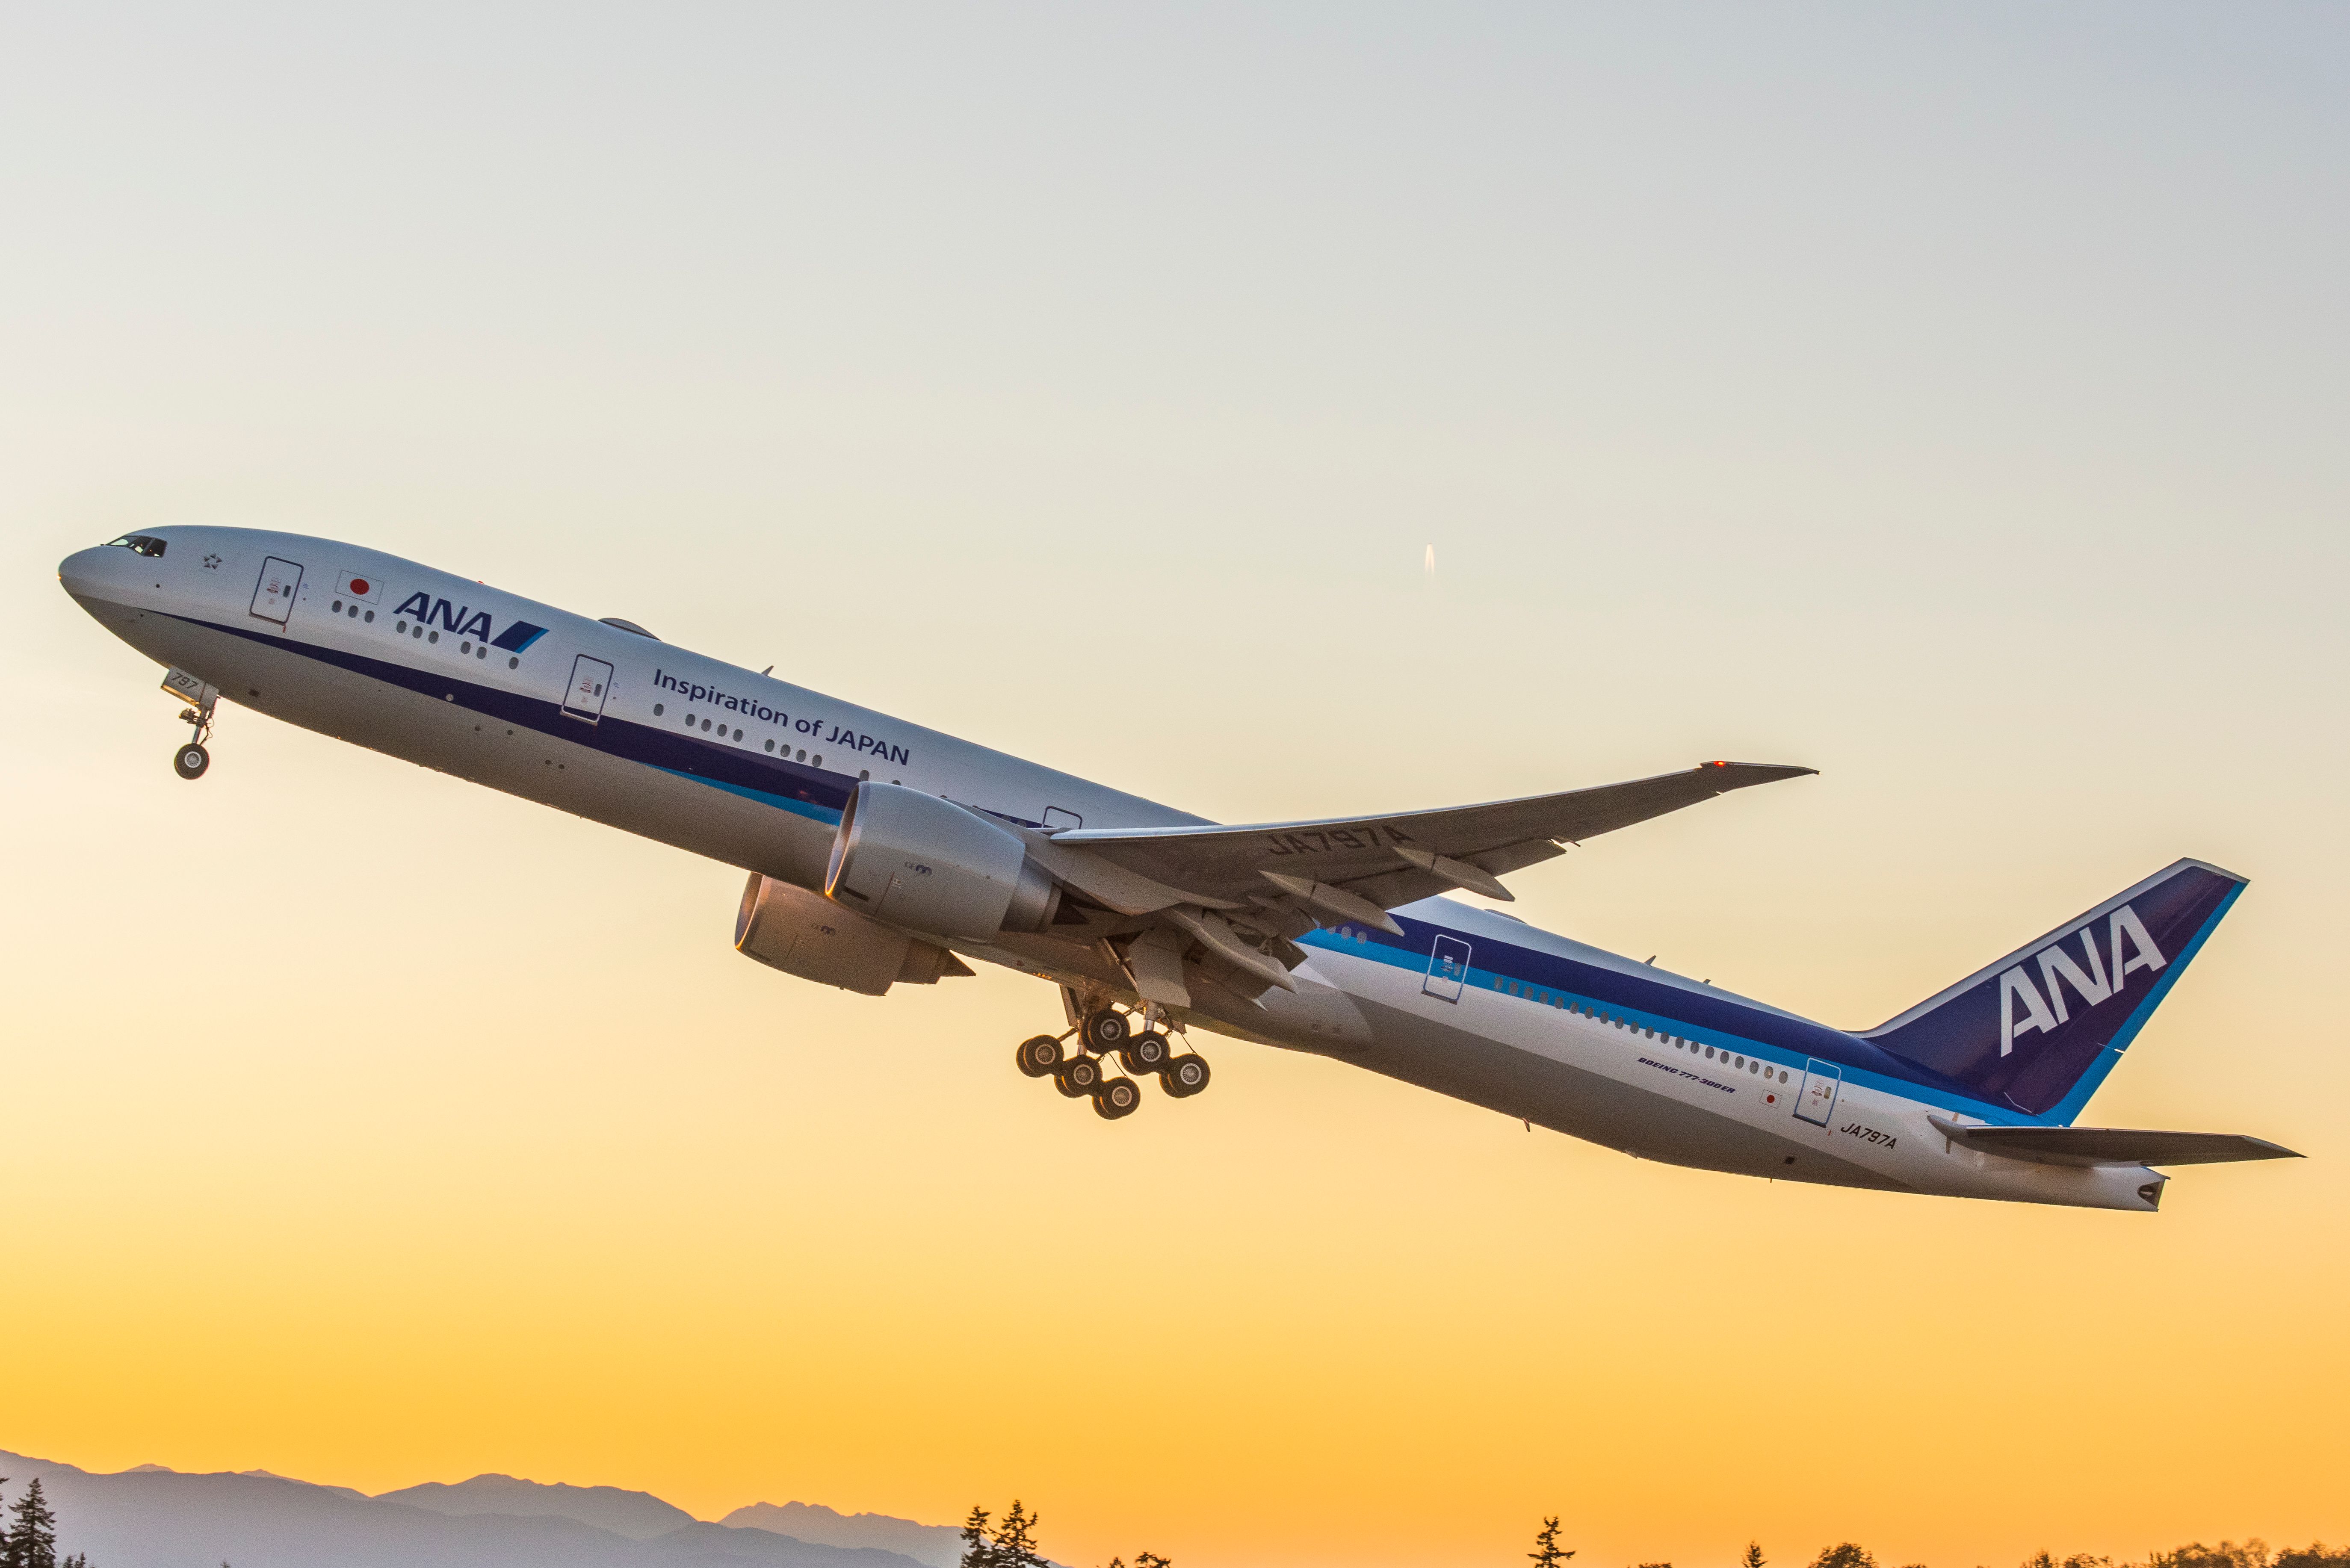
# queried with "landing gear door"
point(272, 596)
point(592, 682)
point(1822, 1080)
point(1448, 966)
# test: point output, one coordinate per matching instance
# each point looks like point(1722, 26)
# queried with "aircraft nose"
point(85, 570)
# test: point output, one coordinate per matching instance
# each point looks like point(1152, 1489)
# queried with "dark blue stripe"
point(793, 786)
point(519, 635)
point(1717, 1020)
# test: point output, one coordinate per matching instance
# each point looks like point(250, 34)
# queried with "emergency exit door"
point(272, 596)
point(591, 680)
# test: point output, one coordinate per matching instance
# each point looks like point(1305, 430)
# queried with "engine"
point(913, 859)
point(803, 934)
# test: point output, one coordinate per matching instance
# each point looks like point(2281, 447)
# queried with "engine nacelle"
point(788, 928)
point(916, 860)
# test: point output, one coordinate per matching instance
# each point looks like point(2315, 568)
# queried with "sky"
point(1949, 398)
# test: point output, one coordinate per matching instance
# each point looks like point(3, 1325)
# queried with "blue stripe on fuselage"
point(820, 796)
point(805, 791)
point(1721, 1021)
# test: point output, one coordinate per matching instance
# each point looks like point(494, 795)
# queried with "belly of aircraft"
point(1589, 1105)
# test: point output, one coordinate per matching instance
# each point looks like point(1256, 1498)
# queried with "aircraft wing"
point(1233, 899)
point(1402, 856)
point(2110, 1145)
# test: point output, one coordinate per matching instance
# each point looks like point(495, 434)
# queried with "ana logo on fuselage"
point(465, 621)
point(2059, 969)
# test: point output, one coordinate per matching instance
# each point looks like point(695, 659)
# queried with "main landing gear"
point(1103, 1034)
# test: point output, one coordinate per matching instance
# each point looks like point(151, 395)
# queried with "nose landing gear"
point(191, 760)
point(1141, 1051)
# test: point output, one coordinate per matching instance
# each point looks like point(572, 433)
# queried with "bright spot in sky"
point(1428, 565)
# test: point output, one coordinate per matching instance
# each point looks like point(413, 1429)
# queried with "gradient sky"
point(1951, 399)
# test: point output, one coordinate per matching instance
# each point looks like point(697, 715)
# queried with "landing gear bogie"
point(1078, 1067)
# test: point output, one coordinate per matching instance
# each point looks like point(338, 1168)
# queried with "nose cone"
point(84, 572)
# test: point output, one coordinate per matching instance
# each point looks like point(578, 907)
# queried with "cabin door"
point(1448, 966)
point(272, 596)
point(1822, 1080)
point(591, 679)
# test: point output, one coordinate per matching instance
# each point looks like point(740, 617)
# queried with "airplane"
point(881, 854)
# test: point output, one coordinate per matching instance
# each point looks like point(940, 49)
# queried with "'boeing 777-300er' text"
point(884, 853)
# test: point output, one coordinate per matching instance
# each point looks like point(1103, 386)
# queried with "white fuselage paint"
point(1633, 1082)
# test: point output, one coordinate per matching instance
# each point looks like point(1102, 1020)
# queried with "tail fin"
point(2040, 1029)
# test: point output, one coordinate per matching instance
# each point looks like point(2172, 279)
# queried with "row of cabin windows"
point(694, 720)
point(466, 648)
point(1734, 1062)
point(1712, 1052)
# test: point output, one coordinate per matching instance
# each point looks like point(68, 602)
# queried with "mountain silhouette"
point(939, 1545)
point(156, 1517)
point(638, 1515)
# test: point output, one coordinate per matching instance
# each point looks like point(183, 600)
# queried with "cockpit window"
point(138, 544)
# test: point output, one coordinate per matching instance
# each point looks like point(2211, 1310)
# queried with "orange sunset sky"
point(1947, 398)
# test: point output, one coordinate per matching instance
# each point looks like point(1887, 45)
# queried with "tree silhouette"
point(978, 1550)
point(1016, 1540)
point(31, 1541)
point(1753, 1557)
point(1844, 1555)
point(1548, 1551)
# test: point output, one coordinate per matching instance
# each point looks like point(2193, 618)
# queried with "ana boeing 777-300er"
point(884, 853)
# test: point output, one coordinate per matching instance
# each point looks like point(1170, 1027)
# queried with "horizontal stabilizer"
point(2110, 1145)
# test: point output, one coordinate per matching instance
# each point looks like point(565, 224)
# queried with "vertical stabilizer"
point(2039, 1030)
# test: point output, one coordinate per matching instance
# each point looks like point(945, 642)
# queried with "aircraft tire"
point(191, 761)
point(1038, 1055)
point(1077, 1078)
point(1105, 1030)
point(1117, 1097)
point(1147, 1053)
point(1184, 1076)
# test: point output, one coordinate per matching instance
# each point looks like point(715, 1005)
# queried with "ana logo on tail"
point(2058, 968)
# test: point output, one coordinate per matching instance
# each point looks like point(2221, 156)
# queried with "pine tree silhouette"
point(1753, 1557)
point(1548, 1551)
point(978, 1552)
point(1016, 1540)
point(31, 1541)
